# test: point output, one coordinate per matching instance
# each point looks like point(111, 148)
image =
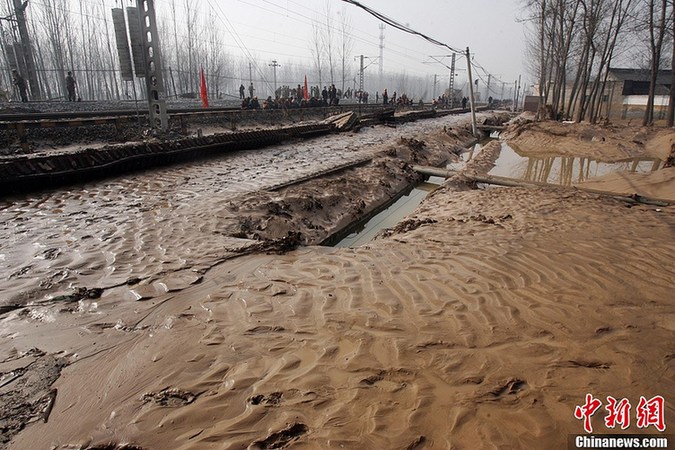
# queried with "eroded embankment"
point(92, 266)
point(157, 227)
point(481, 322)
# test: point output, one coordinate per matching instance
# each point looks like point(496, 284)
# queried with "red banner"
point(202, 90)
point(306, 90)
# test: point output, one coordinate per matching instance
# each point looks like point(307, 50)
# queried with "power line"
point(314, 21)
point(399, 26)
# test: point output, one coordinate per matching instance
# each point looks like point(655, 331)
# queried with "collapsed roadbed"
point(28, 172)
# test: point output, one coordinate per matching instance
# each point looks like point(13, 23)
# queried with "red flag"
point(202, 90)
point(306, 91)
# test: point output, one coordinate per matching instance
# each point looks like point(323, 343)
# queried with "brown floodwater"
point(162, 221)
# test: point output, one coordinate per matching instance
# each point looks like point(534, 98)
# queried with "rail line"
point(28, 172)
point(22, 121)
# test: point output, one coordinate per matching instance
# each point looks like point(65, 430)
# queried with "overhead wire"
point(328, 26)
point(400, 26)
point(233, 33)
point(242, 46)
point(366, 34)
point(409, 30)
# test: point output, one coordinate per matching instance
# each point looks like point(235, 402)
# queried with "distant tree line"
point(78, 36)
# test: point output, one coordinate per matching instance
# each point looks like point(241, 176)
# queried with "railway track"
point(18, 125)
point(28, 172)
point(81, 118)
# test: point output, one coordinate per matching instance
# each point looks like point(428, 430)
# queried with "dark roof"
point(636, 81)
point(663, 77)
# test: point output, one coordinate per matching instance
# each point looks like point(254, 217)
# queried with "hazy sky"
point(282, 30)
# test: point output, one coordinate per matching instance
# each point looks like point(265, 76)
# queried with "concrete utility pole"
point(451, 84)
point(518, 93)
point(274, 65)
point(474, 127)
point(433, 90)
point(501, 97)
point(362, 69)
point(250, 73)
point(487, 94)
point(19, 9)
point(381, 53)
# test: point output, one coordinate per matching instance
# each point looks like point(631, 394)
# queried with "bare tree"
point(317, 50)
point(575, 37)
point(656, 19)
point(671, 104)
point(328, 39)
point(346, 47)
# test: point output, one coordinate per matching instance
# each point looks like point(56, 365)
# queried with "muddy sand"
point(480, 321)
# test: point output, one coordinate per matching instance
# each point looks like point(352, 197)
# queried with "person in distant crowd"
point(324, 94)
point(490, 100)
point(385, 97)
point(463, 102)
point(250, 90)
point(242, 89)
point(377, 97)
point(70, 87)
point(332, 93)
point(20, 83)
point(393, 98)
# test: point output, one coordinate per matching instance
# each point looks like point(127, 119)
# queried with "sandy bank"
point(479, 322)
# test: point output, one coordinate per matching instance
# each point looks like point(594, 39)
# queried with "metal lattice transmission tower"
point(27, 50)
point(362, 69)
point(154, 81)
point(382, 26)
point(451, 67)
point(274, 66)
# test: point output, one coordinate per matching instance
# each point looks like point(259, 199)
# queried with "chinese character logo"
point(618, 413)
point(587, 410)
point(648, 412)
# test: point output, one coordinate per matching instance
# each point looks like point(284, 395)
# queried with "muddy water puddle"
point(392, 215)
point(364, 233)
point(564, 170)
point(467, 156)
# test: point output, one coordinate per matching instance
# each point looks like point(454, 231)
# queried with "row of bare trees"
point(78, 36)
point(331, 47)
point(576, 42)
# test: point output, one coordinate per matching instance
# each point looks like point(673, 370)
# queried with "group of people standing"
point(22, 86)
point(287, 97)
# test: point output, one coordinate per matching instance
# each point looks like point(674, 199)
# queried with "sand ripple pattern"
point(154, 222)
point(457, 334)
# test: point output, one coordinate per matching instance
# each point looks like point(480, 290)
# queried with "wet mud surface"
point(184, 219)
point(480, 321)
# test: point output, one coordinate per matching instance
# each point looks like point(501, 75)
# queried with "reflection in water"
point(465, 157)
point(564, 170)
